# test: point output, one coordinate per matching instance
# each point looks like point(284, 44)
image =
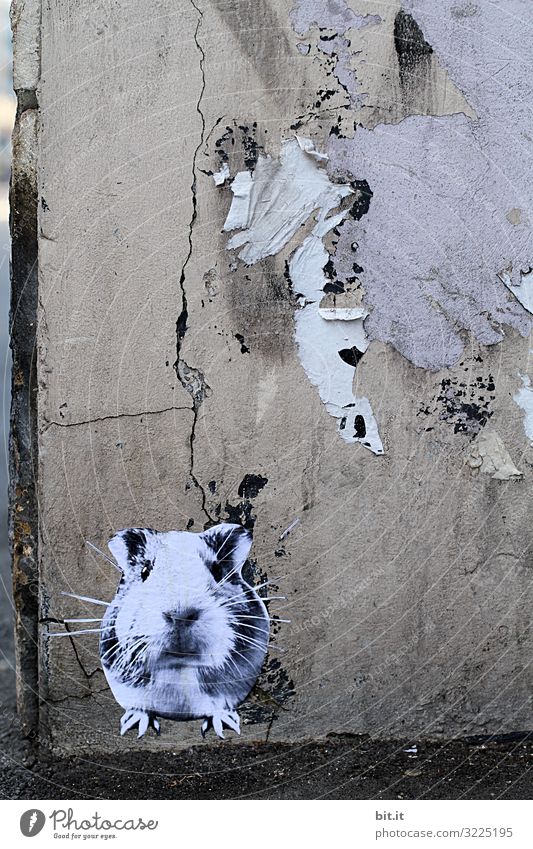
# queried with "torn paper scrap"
point(267, 208)
point(270, 205)
point(522, 288)
point(320, 348)
point(222, 175)
point(524, 399)
point(342, 313)
point(489, 455)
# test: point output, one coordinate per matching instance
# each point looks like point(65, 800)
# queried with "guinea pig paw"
point(137, 717)
point(232, 720)
point(217, 725)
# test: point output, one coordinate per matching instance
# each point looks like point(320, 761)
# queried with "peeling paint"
point(335, 14)
point(342, 313)
point(322, 334)
point(522, 288)
point(466, 405)
point(524, 399)
point(429, 197)
point(266, 223)
point(222, 175)
point(489, 455)
point(268, 207)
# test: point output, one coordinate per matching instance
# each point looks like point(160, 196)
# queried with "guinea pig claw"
point(138, 717)
point(127, 721)
point(231, 719)
point(143, 725)
point(217, 726)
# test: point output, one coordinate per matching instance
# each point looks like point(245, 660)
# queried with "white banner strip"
point(258, 824)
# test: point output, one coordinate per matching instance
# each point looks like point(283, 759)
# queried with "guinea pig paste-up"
point(185, 636)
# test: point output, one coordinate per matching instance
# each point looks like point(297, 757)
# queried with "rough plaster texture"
point(170, 377)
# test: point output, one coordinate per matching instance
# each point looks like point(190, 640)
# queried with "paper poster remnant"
point(270, 204)
point(524, 399)
point(268, 207)
point(331, 341)
point(222, 175)
point(489, 455)
point(521, 286)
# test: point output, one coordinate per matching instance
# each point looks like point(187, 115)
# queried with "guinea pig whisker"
point(242, 595)
point(68, 621)
point(246, 625)
point(266, 598)
point(239, 676)
point(245, 658)
point(228, 576)
point(253, 589)
point(262, 618)
point(128, 651)
point(251, 640)
point(87, 598)
point(102, 554)
point(224, 541)
point(256, 643)
point(114, 647)
point(74, 633)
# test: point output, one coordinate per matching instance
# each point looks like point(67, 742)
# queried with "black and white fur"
point(185, 636)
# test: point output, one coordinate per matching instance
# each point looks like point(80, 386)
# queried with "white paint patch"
point(490, 456)
point(342, 313)
point(221, 176)
point(272, 203)
point(268, 207)
point(320, 335)
point(524, 399)
point(522, 288)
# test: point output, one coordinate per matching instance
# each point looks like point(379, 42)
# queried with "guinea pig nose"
point(182, 617)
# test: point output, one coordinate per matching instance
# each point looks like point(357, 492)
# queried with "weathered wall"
point(171, 367)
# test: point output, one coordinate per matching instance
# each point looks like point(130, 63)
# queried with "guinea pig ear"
point(128, 547)
point(229, 546)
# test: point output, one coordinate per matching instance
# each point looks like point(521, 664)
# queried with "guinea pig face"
point(180, 593)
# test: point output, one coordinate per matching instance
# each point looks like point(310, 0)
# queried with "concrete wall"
point(183, 382)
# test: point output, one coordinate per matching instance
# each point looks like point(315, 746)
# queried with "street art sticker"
point(185, 636)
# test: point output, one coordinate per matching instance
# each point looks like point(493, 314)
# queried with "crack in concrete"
point(192, 379)
point(87, 695)
point(88, 675)
point(112, 417)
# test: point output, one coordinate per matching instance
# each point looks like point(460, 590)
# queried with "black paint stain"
point(250, 146)
point(242, 513)
point(222, 143)
point(350, 356)
point(359, 427)
point(273, 686)
point(334, 286)
point(240, 338)
point(411, 47)
point(363, 196)
point(465, 406)
point(251, 485)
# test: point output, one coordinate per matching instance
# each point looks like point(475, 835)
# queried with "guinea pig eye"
point(146, 569)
